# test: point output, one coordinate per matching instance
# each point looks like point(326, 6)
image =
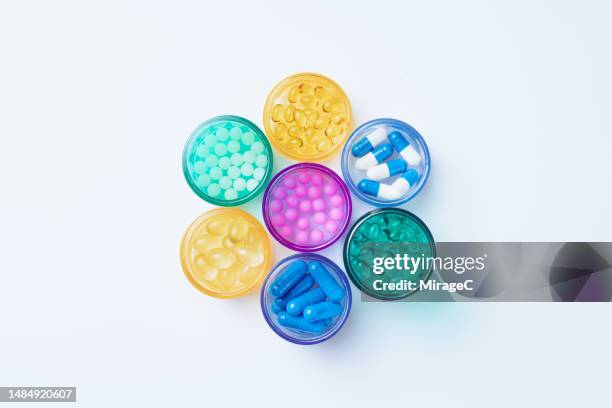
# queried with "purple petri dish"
point(299, 336)
point(307, 207)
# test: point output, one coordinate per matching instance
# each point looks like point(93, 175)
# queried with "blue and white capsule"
point(299, 323)
point(376, 156)
point(402, 184)
point(369, 142)
point(377, 189)
point(387, 169)
point(322, 311)
point(403, 147)
point(289, 278)
point(296, 306)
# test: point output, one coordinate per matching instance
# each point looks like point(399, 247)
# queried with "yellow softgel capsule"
point(301, 104)
point(226, 253)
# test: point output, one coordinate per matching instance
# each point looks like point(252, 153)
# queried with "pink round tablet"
point(306, 207)
point(318, 204)
point(319, 218)
point(276, 205)
point(292, 201)
point(336, 200)
point(291, 214)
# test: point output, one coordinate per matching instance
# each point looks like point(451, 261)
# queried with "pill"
point(225, 163)
point(211, 160)
point(276, 309)
point(248, 157)
point(222, 134)
point(247, 169)
point(332, 226)
point(377, 189)
point(404, 182)
point(387, 169)
point(247, 138)
point(261, 160)
point(297, 305)
point(233, 146)
point(233, 172)
point(235, 133)
point(301, 237)
point(320, 217)
point(210, 140)
point(203, 180)
point(291, 214)
point(369, 142)
point(327, 284)
point(289, 278)
point(257, 148)
point(318, 204)
point(299, 323)
point(300, 287)
point(276, 205)
point(403, 147)
point(213, 189)
point(303, 223)
point(336, 213)
point(249, 255)
point(314, 192)
point(239, 184)
point(316, 236)
point(199, 167)
point(230, 194)
point(220, 149)
point(202, 151)
point(322, 311)
point(225, 182)
point(305, 206)
point(259, 173)
point(236, 159)
point(292, 201)
point(376, 156)
point(252, 184)
point(336, 200)
point(220, 258)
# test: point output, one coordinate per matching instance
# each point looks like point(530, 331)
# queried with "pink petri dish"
point(307, 207)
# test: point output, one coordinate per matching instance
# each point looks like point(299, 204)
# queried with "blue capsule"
point(387, 169)
point(301, 287)
point(297, 305)
point(322, 311)
point(299, 323)
point(369, 142)
point(325, 281)
point(376, 156)
point(289, 278)
point(276, 309)
point(403, 147)
point(377, 189)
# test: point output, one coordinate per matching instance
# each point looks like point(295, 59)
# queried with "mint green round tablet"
point(259, 174)
point(257, 147)
point(215, 173)
point(199, 167)
point(235, 133)
point(261, 161)
point(225, 163)
point(236, 159)
point(222, 134)
point(213, 160)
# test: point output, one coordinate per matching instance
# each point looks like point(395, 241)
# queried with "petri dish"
point(227, 160)
point(307, 207)
point(387, 189)
point(387, 233)
point(328, 327)
point(226, 253)
point(307, 117)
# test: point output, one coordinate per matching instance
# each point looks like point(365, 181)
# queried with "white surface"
point(96, 101)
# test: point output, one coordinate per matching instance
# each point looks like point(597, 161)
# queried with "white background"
point(96, 101)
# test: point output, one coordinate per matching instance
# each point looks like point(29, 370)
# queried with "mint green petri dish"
point(227, 160)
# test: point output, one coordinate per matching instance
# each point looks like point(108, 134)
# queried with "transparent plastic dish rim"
point(358, 223)
point(268, 107)
point(305, 248)
point(347, 151)
point(252, 194)
point(345, 313)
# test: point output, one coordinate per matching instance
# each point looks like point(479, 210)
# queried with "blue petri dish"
point(293, 335)
point(420, 172)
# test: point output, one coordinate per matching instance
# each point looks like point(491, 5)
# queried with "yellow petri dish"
point(226, 253)
point(307, 117)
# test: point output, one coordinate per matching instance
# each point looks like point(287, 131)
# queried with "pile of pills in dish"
point(307, 116)
point(307, 207)
point(226, 253)
point(306, 297)
point(227, 160)
point(387, 162)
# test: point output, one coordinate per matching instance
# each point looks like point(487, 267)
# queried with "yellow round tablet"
point(226, 253)
point(307, 117)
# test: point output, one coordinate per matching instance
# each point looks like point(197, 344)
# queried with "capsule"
point(276, 309)
point(403, 147)
point(369, 142)
point(387, 169)
point(402, 184)
point(301, 287)
point(322, 311)
point(376, 156)
point(377, 189)
point(289, 278)
point(299, 323)
point(325, 281)
point(296, 306)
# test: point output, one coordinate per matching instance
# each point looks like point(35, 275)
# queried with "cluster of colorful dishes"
point(228, 161)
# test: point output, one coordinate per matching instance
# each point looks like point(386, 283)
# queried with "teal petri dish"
point(227, 160)
point(388, 252)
